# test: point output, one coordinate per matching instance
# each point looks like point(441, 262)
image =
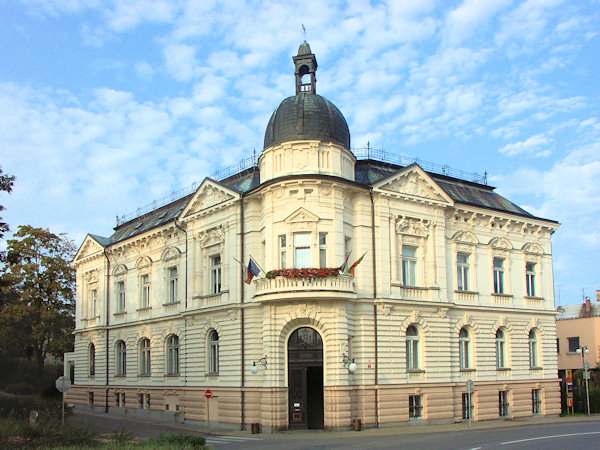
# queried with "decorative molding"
point(211, 237)
point(533, 248)
point(412, 183)
point(465, 237)
point(500, 243)
point(170, 253)
point(412, 226)
point(301, 215)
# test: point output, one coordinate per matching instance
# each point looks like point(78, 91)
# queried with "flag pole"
point(258, 265)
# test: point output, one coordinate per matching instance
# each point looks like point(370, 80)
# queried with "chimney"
point(588, 306)
point(598, 295)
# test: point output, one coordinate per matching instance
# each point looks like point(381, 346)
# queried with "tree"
point(6, 184)
point(37, 316)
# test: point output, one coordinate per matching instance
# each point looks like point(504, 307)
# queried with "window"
point(500, 349)
point(322, 249)
point(121, 358)
point(533, 350)
point(415, 407)
point(301, 250)
point(120, 399)
point(536, 401)
point(145, 303)
point(90, 398)
point(409, 266)
point(92, 360)
point(464, 343)
point(573, 344)
point(503, 403)
point(213, 352)
point(498, 276)
point(141, 400)
point(172, 285)
point(173, 355)
point(147, 403)
point(145, 367)
point(282, 251)
point(215, 274)
point(121, 296)
point(144, 401)
point(557, 345)
point(462, 271)
point(347, 246)
point(412, 348)
point(467, 406)
point(94, 302)
point(530, 279)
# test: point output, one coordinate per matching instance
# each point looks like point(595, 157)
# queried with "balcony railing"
point(285, 284)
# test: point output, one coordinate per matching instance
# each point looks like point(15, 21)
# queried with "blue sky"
point(105, 106)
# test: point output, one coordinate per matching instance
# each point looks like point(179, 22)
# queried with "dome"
point(304, 49)
point(307, 116)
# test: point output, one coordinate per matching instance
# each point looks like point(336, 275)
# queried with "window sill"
point(145, 308)
point(535, 368)
point(171, 303)
point(462, 291)
point(172, 375)
point(212, 374)
point(120, 313)
point(468, 370)
point(529, 297)
point(415, 371)
point(407, 286)
point(498, 294)
point(120, 375)
point(144, 375)
point(503, 369)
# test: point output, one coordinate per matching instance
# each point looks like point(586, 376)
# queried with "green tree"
point(37, 315)
point(6, 184)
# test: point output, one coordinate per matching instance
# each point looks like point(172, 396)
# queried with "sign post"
point(470, 389)
point(208, 395)
point(570, 390)
point(63, 385)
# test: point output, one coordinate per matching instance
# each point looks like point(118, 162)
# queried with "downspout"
point(107, 324)
point(186, 303)
point(242, 319)
point(374, 249)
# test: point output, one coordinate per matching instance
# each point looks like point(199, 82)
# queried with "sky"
point(106, 106)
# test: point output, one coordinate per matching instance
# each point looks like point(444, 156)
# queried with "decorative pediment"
point(301, 215)
point(208, 195)
point(414, 183)
point(120, 269)
point(500, 243)
point(211, 237)
point(89, 247)
point(170, 253)
point(465, 237)
point(533, 248)
point(143, 262)
point(413, 226)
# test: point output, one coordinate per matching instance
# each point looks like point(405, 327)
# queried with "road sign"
point(470, 386)
point(63, 384)
point(208, 393)
point(586, 365)
point(586, 375)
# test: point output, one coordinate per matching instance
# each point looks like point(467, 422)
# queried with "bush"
point(21, 388)
point(19, 406)
point(178, 440)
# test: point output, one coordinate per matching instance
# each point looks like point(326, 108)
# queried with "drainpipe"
point(107, 324)
point(375, 306)
point(242, 319)
point(186, 303)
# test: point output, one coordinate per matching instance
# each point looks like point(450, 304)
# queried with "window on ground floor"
point(536, 401)
point(503, 403)
point(415, 407)
point(467, 406)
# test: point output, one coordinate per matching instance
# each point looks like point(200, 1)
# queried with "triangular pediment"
point(301, 215)
point(89, 247)
point(209, 194)
point(414, 183)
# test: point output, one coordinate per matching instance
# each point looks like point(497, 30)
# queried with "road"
point(547, 434)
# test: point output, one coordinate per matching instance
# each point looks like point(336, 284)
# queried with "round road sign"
point(208, 393)
point(63, 384)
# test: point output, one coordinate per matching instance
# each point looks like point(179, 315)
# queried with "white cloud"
point(470, 16)
point(534, 145)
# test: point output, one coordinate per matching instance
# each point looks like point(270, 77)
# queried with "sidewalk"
point(107, 423)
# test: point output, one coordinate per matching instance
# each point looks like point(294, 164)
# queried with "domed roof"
point(307, 116)
point(304, 49)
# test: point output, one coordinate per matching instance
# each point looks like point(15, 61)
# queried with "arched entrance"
point(305, 378)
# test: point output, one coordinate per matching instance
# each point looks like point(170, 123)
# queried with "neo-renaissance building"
point(456, 285)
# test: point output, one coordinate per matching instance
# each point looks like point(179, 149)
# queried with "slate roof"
point(577, 311)
point(367, 172)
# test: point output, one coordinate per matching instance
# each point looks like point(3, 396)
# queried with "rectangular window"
point(121, 296)
point(173, 284)
point(530, 279)
point(322, 249)
point(557, 345)
point(94, 302)
point(347, 246)
point(147, 404)
point(503, 403)
point(573, 344)
point(415, 407)
point(141, 400)
point(462, 269)
point(302, 250)
point(409, 266)
point(215, 274)
point(145, 303)
point(282, 251)
point(467, 406)
point(90, 398)
point(536, 401)
point(498, 276)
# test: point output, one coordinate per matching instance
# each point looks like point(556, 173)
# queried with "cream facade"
point(455, 285)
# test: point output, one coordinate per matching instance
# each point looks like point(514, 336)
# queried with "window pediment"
point(501, 243)
point(465, 238)
point(302, 215)
point(170, 253)
point(143, 262)
point(533, 248)
point(211, 237)
point(120, 269)
point(412, 226)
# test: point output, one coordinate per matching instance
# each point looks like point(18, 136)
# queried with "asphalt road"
point(547, 434)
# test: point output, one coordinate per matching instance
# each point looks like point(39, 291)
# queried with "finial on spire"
point(304, 29)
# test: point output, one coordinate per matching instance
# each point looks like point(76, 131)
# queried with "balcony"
point(284, 288)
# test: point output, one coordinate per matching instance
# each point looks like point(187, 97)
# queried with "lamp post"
point(584, 351)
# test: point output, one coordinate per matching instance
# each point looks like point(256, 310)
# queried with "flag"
point(356, 263)
point(251, 271)
point(344, 267)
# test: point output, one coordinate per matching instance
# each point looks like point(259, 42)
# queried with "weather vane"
point(304, 29)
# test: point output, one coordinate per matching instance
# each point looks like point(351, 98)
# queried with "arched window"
point(145, 365)
point(533, 348)
point(500, 349)
point(121, 358)
point(92, 360)
point(464, 348)
point(173, 355)
point(213, 352)
point(412, 348)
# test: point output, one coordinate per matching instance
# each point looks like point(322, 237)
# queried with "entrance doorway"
point(305, 379)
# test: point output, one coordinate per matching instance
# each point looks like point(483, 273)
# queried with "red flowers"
point(323, 272)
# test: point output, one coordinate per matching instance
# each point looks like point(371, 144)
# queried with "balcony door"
point(305, 379)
